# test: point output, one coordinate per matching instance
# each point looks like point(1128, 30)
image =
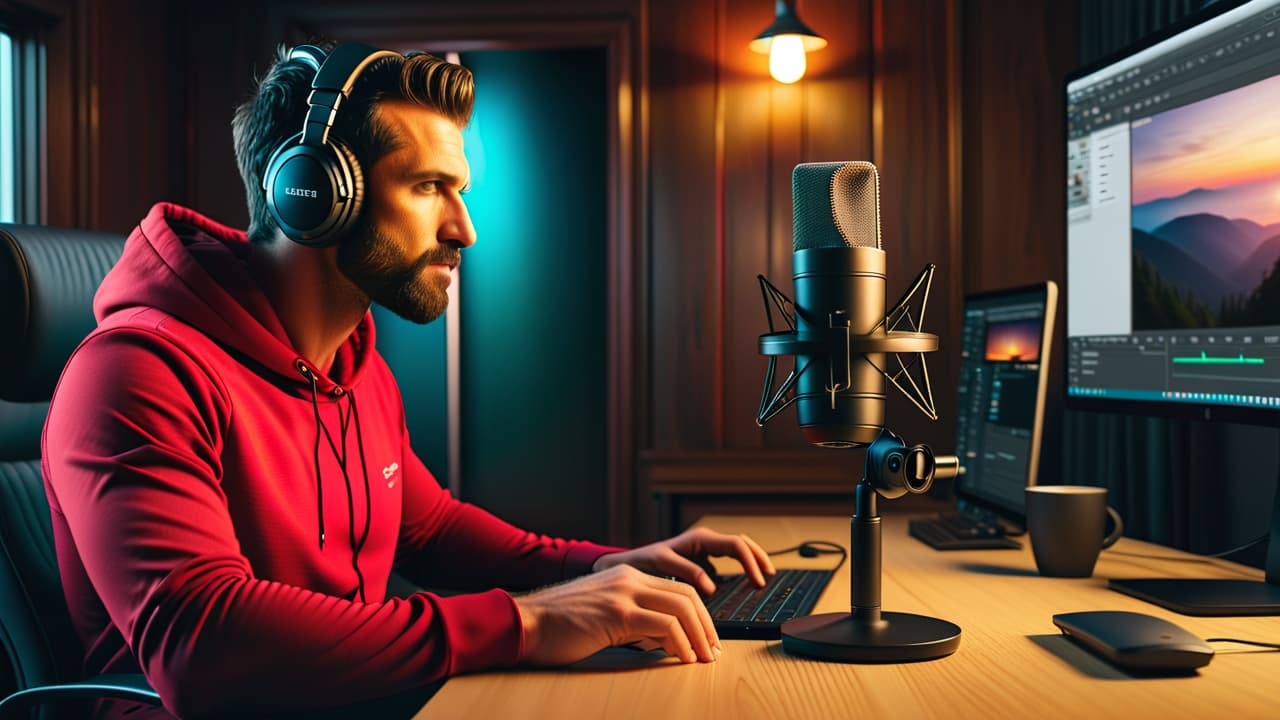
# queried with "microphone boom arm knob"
point(946, 467)
point(894, 469)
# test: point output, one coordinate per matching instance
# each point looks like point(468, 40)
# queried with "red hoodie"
point(192, 467)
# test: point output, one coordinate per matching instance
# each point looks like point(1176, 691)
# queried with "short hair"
point(277, 106)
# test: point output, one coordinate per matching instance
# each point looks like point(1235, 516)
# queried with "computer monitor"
point(1005, 343)
point(1173, 244)
point(1004, 353)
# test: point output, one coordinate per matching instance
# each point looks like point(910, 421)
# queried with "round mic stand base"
point(866, 634)
point(895, 637)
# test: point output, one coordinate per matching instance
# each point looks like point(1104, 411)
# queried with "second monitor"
point(1004, 356)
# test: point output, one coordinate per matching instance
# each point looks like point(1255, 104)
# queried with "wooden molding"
point(751, 472)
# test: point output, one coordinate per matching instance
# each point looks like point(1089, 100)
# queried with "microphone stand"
point(865, 633)
point(842, 284)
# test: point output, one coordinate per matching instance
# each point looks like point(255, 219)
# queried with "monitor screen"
point(1173, 221)
point(1004, 336)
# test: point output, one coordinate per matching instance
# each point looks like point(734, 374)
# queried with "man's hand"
point(568, 622)
point(685, 556)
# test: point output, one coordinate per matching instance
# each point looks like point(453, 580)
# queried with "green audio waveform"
point(1205, 360)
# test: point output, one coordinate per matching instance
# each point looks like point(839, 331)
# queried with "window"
point(23, 38)
point(8, 134)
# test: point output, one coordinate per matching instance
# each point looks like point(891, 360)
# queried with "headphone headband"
point(313, 184)
point(332, 85)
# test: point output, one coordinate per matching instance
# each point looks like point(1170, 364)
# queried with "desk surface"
point(1012, 661)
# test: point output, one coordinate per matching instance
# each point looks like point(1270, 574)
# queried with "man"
point(208, 449)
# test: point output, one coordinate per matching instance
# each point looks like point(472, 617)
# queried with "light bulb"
point(786, 58)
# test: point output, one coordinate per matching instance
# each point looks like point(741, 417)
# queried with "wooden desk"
point(1012, 661)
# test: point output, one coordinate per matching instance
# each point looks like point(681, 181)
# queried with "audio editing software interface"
point(1225, 366)
point(999, 378)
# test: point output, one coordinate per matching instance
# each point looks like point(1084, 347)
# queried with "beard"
point(368, 258)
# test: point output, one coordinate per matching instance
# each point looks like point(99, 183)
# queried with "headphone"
point(313, 184)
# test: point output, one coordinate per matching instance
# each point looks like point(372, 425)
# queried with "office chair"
point(47, 280)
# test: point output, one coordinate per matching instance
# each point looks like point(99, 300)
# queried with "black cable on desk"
point(1202, 559)
point(1274, 646)
point(814, 548)
point(1249, 545)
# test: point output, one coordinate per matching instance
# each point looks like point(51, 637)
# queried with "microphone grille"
point(835, 204)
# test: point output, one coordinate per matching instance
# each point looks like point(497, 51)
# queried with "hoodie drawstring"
point(315, 405)
point(344, 424)
point(364, 468)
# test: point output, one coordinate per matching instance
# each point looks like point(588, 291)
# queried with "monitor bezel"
point(1152, 408)
point(1047, 290)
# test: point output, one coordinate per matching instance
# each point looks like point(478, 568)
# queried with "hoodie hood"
point(194, 269)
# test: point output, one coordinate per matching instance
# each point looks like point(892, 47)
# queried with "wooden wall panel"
point(114, 120)
point(135, 75)
point(913, 142)
point(243, 50)
point(1016, 56)
point(884, 89)
point(760, 131)
point(786, 150)
point(684, 269)
point(838, 102)
point(835, 124)
point(746, 95)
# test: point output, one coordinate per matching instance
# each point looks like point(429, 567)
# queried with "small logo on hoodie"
point(390, 473)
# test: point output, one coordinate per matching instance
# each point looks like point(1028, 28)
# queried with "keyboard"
point(957, 531)
point(743, 611)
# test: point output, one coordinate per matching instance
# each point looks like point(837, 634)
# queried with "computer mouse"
point(1133, 641)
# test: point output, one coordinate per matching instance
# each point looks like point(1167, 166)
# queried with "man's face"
point(414, 224)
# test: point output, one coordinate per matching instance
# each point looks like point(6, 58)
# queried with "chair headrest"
point(48, 277)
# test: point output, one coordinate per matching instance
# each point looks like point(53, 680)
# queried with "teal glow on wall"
point(533, 291)
point(416, 355)
point(531, 302)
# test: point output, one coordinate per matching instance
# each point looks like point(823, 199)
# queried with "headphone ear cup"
point(350, 210)
point(314, 193)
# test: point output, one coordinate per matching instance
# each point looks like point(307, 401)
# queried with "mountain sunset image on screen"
point(1206, 212)
point(1014, 341)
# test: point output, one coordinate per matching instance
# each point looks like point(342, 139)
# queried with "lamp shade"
point(786, 22)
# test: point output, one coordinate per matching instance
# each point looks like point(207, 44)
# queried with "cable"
point(1252, 543)
point(1274, 646)
point(814, 548)
point(1205, 558)
point(1201, 559)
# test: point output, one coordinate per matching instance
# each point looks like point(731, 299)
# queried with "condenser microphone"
point(839, 272)
point(838, 330)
